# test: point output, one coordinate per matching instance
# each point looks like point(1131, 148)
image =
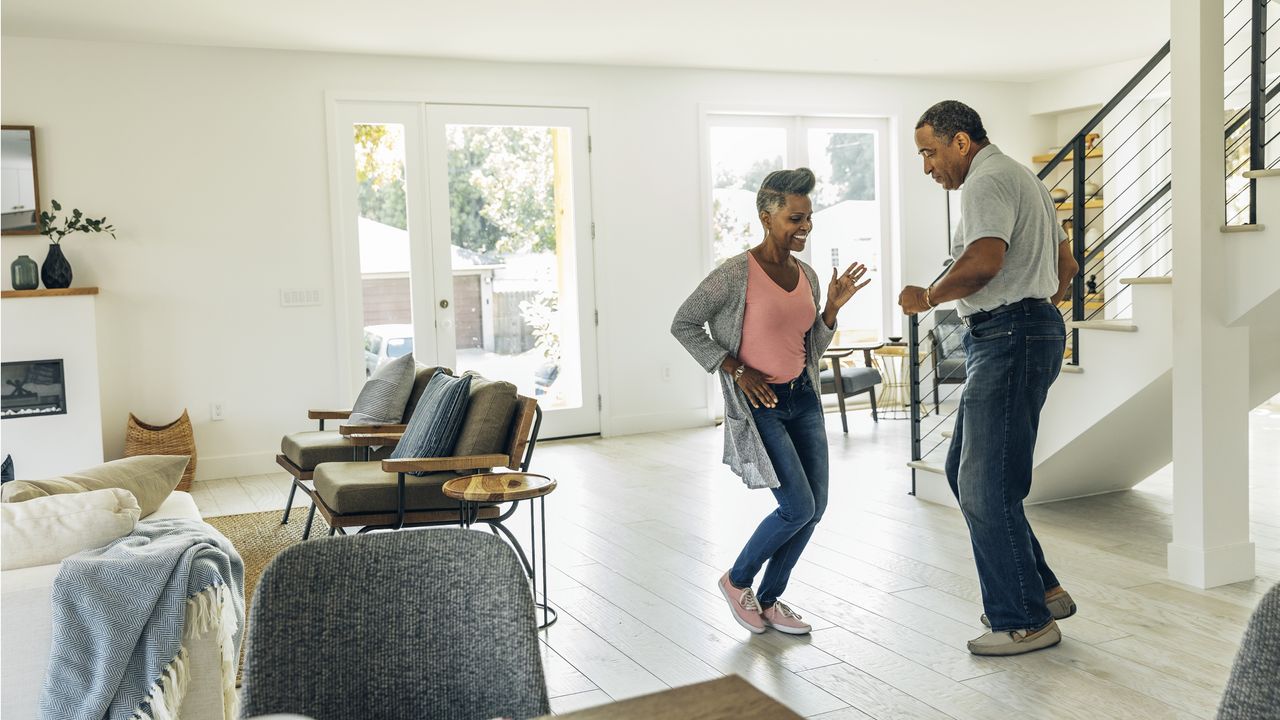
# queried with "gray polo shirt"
point(1004, 199)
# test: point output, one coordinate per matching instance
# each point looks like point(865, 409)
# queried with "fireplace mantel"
point(45, 292)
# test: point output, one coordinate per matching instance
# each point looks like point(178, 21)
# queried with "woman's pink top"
point(775, 324)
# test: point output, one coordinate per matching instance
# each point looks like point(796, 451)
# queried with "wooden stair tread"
point(922, 465)
point(1248, 227)
point(1109, 325)
point(1158, 280)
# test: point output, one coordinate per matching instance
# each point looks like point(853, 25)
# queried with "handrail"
point(1133, 217)
point(1155, 60)
point(1244, 117)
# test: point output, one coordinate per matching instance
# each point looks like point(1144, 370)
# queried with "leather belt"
point(984, 315)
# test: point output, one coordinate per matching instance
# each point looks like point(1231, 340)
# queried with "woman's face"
point(790, 224)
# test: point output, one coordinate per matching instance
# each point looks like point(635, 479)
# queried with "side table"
point(473, 490)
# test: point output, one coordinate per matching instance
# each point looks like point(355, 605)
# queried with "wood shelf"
point(1046, 157)
point(1090, 204)
point(45, 292)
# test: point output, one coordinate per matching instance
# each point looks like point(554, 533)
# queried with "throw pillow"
point(382, 399)
point(433, 429)
point(149, 477)
point(6, 469)
point(47, 530)
point(488, 421)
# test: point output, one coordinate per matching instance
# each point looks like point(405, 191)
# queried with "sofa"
point(25, 623)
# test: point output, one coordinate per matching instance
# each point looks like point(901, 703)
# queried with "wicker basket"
point(175, 438)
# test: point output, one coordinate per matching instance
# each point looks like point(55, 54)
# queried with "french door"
point(465, 237)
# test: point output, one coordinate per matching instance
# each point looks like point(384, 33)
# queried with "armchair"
point(948, 356)
point(302, 452)
point(500, 429)
point(847, 382)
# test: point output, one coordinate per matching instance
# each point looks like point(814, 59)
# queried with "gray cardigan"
point(719, 303)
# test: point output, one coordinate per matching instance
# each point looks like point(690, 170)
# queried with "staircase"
point(1107, 424)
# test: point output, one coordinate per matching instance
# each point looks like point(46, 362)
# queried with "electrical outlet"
point(215, 411)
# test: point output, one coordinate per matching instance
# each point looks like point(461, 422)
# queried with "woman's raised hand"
point(844, 286)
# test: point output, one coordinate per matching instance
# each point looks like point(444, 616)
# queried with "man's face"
point(946, 163)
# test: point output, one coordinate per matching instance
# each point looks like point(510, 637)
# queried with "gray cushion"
point(422, 375)
point(1252, 691)
point(487, 424)
point(855, 379)
point(359, 487)
point(385, 394)
point(951, 338)
point(309, 449)
point(433, 429)
point(951, 370)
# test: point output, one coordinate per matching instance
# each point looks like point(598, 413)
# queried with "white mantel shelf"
point(60, 292)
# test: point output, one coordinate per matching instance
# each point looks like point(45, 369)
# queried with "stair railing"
point(1134, 128)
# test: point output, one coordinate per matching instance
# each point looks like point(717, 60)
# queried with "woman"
point(766, 339)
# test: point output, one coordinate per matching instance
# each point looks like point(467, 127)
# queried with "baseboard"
point(654, 422)
point(225, 466)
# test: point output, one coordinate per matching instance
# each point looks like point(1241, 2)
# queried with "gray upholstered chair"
point(849, 381)
point(1253, 691)
point(301, 452)
point(404, 626)
point(499, 430)
point(948, 356)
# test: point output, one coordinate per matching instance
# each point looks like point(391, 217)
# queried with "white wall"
point(213, 165)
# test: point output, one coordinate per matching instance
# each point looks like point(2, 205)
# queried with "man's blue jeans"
point(795, 437)
point(1012, 360)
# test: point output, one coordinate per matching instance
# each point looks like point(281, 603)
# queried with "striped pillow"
point(384, 395)
point(433, 429)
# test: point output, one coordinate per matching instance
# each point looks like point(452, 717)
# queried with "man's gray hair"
point(950, 117)
point(779, 184)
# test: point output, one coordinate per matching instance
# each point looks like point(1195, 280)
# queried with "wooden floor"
point(642, 526)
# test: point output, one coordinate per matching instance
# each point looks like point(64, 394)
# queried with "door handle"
point(444, 304)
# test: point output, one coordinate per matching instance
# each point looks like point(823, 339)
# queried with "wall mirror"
point(19, 182)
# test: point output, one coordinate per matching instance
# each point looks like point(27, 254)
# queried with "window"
point(850, 202)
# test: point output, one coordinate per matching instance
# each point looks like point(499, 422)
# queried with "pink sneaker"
point(743, 603)
point(782, 618)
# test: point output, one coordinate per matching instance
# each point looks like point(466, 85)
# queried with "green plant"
point(57, 229)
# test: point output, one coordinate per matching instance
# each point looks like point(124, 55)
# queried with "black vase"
point(56, 271)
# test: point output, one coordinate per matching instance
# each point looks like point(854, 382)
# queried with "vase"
point(25, 273)
point(56, 271)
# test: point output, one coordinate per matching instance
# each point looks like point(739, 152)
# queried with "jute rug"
point(259, 537)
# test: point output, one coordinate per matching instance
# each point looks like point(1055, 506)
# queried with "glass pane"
point(512, 247)
point(846, 224)
point(383, 230)
point(740, 158)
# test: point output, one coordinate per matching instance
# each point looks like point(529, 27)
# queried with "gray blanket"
point(119, 614)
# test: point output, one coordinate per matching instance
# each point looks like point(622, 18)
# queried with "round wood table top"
point(498, 487)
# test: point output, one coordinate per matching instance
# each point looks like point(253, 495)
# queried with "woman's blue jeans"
point(1012, 359)
point(795, 437)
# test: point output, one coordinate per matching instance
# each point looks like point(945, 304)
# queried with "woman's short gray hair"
point(779, 184)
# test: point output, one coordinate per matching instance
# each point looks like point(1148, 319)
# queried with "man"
point(1012, 266)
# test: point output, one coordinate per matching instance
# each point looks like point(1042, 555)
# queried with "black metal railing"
point(1133, 196)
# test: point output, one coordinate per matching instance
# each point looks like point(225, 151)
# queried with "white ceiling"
point(1015, 40)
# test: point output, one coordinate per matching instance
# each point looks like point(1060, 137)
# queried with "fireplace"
point(32, 388)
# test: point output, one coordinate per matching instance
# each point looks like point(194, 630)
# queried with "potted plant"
point(56, 271)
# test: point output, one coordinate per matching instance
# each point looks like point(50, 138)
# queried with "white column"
point(1210, 360)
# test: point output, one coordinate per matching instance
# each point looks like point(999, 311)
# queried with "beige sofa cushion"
point(45, 530)
point(149, 477)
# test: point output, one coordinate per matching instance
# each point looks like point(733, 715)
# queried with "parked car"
point(384, 343)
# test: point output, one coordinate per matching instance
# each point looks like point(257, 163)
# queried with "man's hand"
point(912, 300)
